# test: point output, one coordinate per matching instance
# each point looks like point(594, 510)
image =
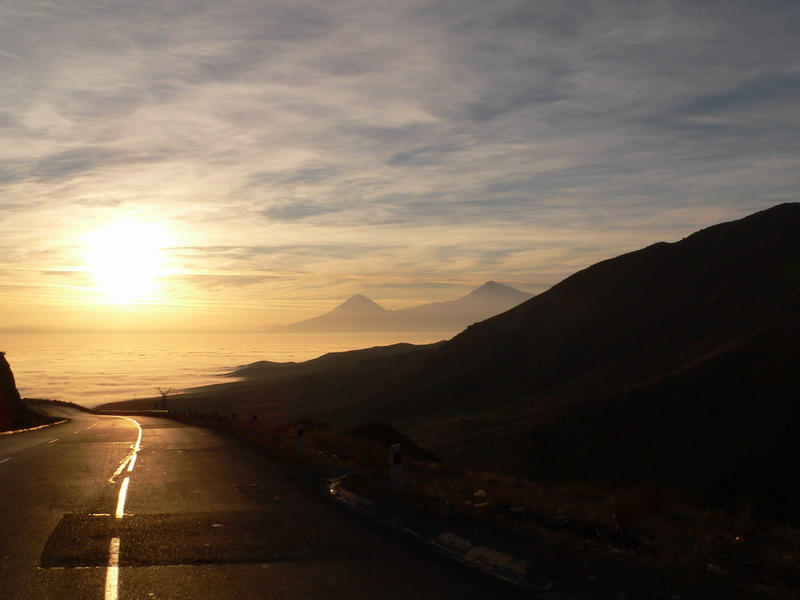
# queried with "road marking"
point(5, 460)
point(112, 572)
point(123, 492)
point(53, 440)
point(131, 455)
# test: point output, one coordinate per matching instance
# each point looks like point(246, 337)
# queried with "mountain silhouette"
point(639, 317)
point(679, 362)
point(359, 313)
point(358, 305)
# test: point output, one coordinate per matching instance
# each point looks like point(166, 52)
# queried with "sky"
point(257, 162)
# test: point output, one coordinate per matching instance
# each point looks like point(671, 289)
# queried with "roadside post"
point(301, 442)
point(255, 424)
point(396, 467)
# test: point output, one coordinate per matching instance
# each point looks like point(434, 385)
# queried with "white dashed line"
point(112, 573)
point(123, 492)
point(131, 455)
point(5, 460)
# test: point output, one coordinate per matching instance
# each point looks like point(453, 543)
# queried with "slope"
point(679, 362)
point(633, 318)
point(488, 300)
point(359, 313)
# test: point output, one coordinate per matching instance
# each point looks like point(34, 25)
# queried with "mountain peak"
point(359, 304)
point(492, 287)
point(359, 313)
point(493, 291)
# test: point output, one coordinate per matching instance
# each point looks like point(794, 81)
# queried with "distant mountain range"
point(677, 364)
point(359, 313)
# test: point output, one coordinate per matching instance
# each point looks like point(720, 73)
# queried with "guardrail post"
point(396, 467)
point(301, 441)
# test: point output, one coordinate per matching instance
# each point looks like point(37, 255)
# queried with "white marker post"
point(396, 467)
point(301, 439)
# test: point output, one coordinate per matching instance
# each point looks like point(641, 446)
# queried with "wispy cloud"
point(450, 141)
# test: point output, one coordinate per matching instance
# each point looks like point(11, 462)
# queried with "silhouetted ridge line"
point(672, 329)
point(359, 313)
point(358, 304)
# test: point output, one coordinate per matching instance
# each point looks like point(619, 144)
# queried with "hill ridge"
point(360, 313)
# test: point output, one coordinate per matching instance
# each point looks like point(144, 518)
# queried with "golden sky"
point(224, 165)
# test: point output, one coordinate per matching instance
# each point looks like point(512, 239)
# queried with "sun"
point(127, 260)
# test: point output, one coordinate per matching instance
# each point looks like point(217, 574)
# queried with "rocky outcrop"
point(13, 413)
point(9, 396)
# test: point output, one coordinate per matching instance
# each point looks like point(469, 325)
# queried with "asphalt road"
point(195, 515)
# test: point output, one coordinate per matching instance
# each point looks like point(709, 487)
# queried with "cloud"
point(76, 161)
point(449, 140)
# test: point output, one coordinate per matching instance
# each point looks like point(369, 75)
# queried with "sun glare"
point(126, 259)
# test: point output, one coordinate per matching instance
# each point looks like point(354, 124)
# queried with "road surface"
point(145, 508)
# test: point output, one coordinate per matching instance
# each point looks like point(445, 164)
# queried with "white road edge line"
point(112, 572)
point(131, 455)
point(123, 492)
point(6, 459)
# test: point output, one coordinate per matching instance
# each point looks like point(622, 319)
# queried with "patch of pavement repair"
point(491, 562)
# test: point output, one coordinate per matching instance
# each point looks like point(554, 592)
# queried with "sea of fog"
point(94, 368)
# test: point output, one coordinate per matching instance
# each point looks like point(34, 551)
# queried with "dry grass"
point(654, 522)
point(651, 521)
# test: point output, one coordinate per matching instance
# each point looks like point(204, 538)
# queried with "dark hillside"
point(338, 387)
point(678, 362)
point(625, 321)
point(725, 429)
point(264, 370)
